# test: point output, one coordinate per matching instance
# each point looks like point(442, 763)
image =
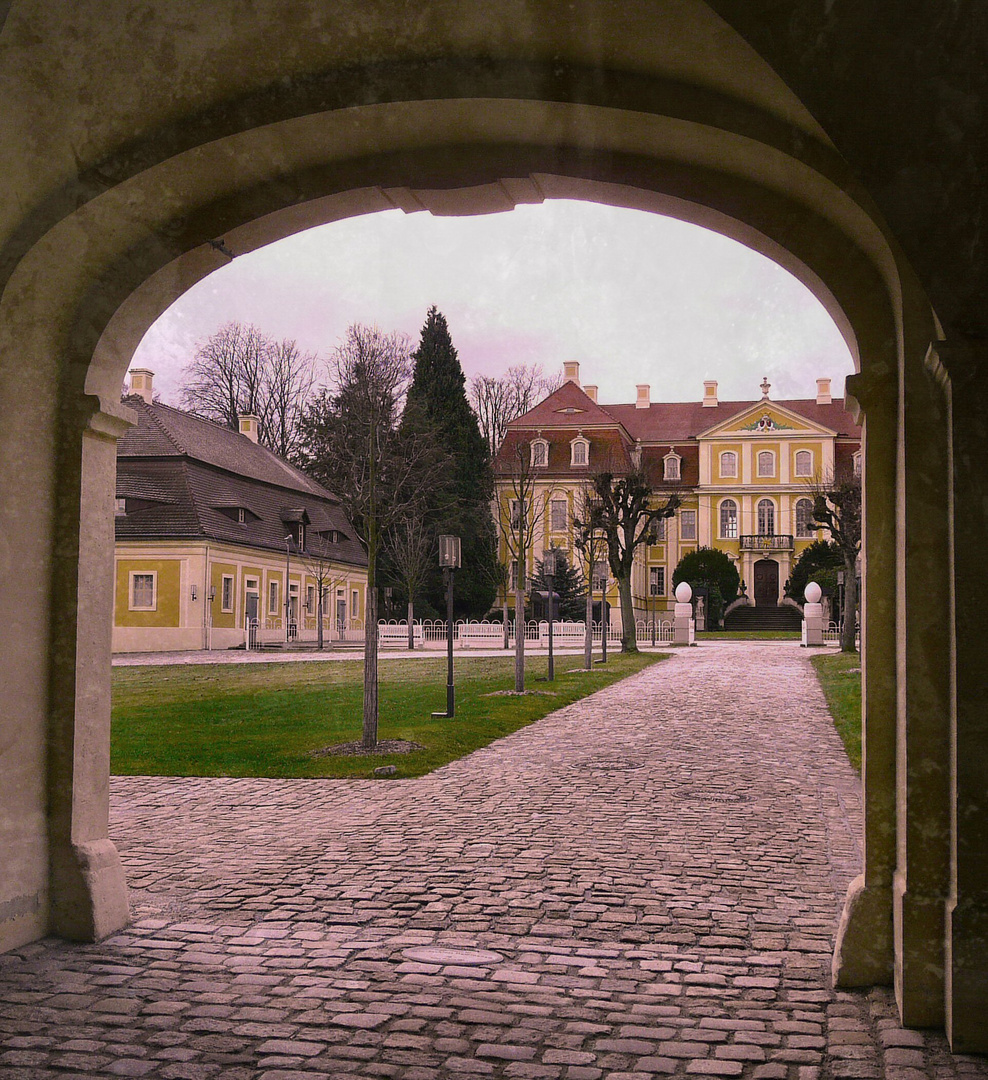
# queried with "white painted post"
point(683, 617)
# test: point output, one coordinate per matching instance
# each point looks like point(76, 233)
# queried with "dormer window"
point(579, 451)
point(241, 516)
point(120, 507)
point(671, 466)
point(540, 453)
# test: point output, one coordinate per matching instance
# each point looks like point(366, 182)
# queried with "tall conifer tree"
point(437, 400)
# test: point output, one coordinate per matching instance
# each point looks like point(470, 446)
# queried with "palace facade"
point(743, 470)
point(221, 543)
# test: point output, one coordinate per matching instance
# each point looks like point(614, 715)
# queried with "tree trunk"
point(629, 635)
point(847, 637)
point(411, 624)
point(370, 669)
point(319, 618)
point(588, 632)
point(504, 615)
point(519, 641)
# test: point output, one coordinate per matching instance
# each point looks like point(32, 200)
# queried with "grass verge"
point(748, 635)
point(840, 679)
point(269, 719)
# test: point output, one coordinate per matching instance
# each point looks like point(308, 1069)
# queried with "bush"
point(712, 570)
point(819, 562)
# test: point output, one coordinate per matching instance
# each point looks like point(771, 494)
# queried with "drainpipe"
point(206, 602)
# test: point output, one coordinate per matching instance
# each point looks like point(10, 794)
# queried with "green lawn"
point(748, 635)
point(267, 719)
point(840, 678)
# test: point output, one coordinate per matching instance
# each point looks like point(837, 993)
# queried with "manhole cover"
point(611, 765)
point(712, 796)
point(435, 954)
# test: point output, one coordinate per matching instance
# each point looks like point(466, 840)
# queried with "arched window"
point(804, 515)
point(766, 463)
point(579, 452)
point(729, 519)
point(671, 470)
point(728, 463)
point(766, 518)
point(804, 463)
point(540, 453)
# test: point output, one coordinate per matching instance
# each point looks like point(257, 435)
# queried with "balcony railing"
point(772, 542)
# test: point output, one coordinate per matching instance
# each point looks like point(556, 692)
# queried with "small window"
point(120, 507)
point(226, 593)
point(766, 518)
point(300, 536)
point(657, 531)
point(804, 515)
point(857, 463)
point(272, 597)
point(142, 592)
point(671, 469)
point(310, 598)
point(766, 463)
point(656, 581)
point(600, 575)
point(729, 519)
point(579, 452)
point(729, 463)
point(354, 608)
point(516, 517)
point(513, 574)
point(241, 516)
point(804, 463)
point(557, 514)
point(687, 525)
point(540, 453)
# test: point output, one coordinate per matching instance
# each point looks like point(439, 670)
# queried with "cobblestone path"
point(643, 884)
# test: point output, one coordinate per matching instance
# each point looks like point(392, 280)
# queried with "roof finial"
point(765, 387)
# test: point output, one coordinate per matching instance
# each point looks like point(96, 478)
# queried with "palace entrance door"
point(766, 583)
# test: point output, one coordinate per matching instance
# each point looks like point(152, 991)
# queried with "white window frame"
point(672, 467)
point(764, 454)
point(657, 531)
point(601, 570)
point(856, 462)
point(758, 516)
point(310, 599)
point(354, 604)
point(224, 606)
point(656, 581)
point(516, 511)
point(553, 505)
point(808, 532)
point(274, 596)
point(728, 534)
point(540, 454)
point(153, 575)
point(120, 507)
point(241, 516)
point(733, 455)
point(584, 444)
point(795, 463)
point(684, 517)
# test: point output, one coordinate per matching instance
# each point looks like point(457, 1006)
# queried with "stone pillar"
point(87, 888)
point(863, 953)
point(812, 615)
point(925, 644)
point(682, 615)
point(967, 909)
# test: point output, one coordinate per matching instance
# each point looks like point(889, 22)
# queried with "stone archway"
point(329, 129)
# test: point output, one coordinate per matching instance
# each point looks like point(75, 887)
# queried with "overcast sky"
point(634, 297)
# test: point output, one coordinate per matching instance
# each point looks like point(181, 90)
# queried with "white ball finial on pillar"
point(812, 615)
point(683, 616)
point(683, 592)
point(812, 593)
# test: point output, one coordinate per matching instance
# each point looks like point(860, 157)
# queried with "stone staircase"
point(764, 617)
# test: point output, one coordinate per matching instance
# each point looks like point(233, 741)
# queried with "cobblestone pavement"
point(643, 884)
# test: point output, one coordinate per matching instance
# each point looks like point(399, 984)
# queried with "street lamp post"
point(549, 573)
point(288, 570)
point(449, 560)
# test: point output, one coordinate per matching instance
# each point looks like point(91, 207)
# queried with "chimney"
point(140, 383)
point(248, 426)
point(709, 393)
point(571, 371)
point(591, 392)
point(823, 392)
point(644, 391)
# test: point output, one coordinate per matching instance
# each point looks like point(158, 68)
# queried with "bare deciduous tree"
point(318, 561)
point(498, 400)
point(411, 547)
point(592, 546)
point(837, 508)
point(239, 370)
point(353, 444)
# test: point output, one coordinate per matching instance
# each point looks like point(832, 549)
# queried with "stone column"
point(925, 637)
point(87, 889)
point(812, 615)
point(863, 953)
point(683, 615)
point(967, 908)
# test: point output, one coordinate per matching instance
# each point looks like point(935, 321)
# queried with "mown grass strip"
point(271, 719)
point(840, 679)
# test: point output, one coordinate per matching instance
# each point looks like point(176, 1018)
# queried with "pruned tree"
point(620, 509)
point(592, 547)
point(353, 445)
point(837, 508)
point(711, 569)
point(410, 545)
point(499, 399)
point(239, 371)
point(317, 559)
point(521, 510)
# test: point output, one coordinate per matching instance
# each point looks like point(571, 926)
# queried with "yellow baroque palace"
point(743, 470)
point(220, 543)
